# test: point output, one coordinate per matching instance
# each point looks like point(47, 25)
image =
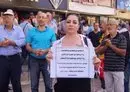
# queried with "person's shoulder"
point(91, 33)
point(123, 30)
point(57, 42)
point(22, 23)
point(29, 24)
point(88, 42)
point(49, 29)
point(120, 36)
point(124, 33)
point(83, 36)
point(17, 27)
point(32, 30)
point(1, 26)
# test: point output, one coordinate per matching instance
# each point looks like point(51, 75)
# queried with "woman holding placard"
point(73, 39)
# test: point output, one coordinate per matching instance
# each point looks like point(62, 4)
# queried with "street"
point(27, 88)
point(25, 81)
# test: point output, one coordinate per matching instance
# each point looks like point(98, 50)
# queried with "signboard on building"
point(123, 4)
point(96, 2)
point(56, 3)
point(43, 4)
point(37, 4)
point(100, 7)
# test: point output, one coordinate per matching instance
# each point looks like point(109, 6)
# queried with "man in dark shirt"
point(95, 35)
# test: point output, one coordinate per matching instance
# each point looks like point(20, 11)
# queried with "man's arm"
point(100, 49)
point(121, 52)
point(1, 44)
point(21, 38)
point(29, 48)
point(122, 47)
point(38, 52)
point(7, 42)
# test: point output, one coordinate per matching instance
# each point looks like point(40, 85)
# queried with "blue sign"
point(123, 4)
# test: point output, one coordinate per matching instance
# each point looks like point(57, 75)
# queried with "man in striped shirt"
point(114, 48)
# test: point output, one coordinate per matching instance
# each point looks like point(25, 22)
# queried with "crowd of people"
point(32, 38)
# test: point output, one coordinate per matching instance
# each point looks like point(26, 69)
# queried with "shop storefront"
point(42, 4)
point(96, 7)
point(27, 6)
point(35, 4)
point(93, 9)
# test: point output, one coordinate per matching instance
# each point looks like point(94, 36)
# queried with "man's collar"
point(116, 35)
point(44, 29)
point(13, 27)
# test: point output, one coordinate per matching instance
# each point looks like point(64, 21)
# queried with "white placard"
point(73, 62)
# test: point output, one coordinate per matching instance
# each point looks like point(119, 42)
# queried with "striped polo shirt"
point(113, 61)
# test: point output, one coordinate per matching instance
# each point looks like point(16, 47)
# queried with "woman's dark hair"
point(75, 14)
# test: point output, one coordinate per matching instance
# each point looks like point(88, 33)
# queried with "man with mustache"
point(39, 40)
point(114, 49)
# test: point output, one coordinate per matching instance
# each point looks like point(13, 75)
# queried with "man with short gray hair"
point(114, 49)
